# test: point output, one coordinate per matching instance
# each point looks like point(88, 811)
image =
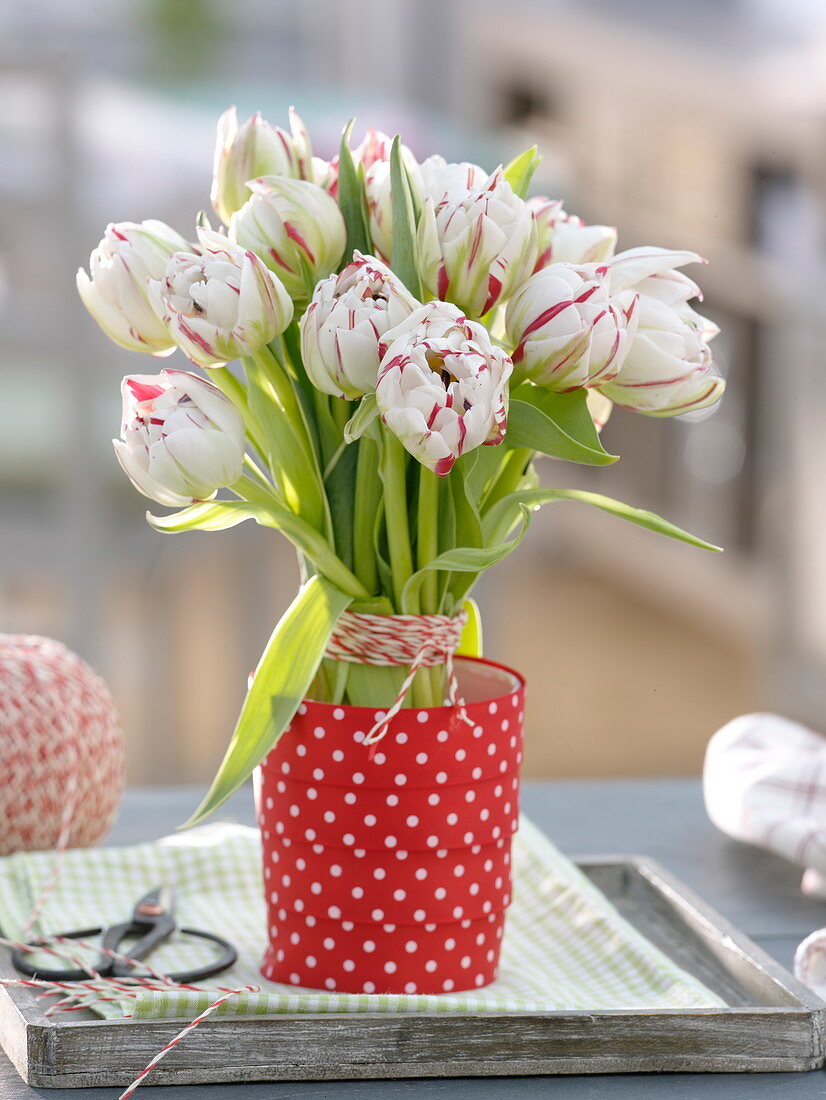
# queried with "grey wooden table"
point(659, 818)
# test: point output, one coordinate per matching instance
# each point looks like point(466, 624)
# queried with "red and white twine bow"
point(420, 641)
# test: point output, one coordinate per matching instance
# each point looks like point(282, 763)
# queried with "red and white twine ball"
point(61, 747)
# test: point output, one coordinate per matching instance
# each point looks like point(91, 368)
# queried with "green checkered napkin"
point(565, 946)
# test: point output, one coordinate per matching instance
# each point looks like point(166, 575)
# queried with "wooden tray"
point(772, 1022)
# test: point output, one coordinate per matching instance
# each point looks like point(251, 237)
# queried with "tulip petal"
point(145, 484)
point(630, 267)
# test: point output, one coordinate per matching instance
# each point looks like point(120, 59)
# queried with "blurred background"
point(698, 126)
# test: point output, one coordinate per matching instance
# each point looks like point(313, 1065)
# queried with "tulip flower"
point(221, 304)
point(117, 294)
point(669, 368)
point(442, 386)
point(476, 247)
point(182, 440)
point(568, 330)
point(565, 238)
point(256, 148)
point(343, 324)
point(295, 227)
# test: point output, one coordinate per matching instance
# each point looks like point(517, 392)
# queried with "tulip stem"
point(366, 505)
point(276, 374)
point(393, 470)
point(427, 543)
point(236, 391)
point(394, 478)
point(427, 548)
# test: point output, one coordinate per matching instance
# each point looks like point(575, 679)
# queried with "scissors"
point(152, 922)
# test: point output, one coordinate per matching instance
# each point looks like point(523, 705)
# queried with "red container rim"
point(463, 665)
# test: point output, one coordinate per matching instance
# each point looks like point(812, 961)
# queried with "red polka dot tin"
point(387, 867)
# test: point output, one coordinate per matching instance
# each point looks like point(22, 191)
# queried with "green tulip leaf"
point(569, 411)
point(501, 515)
point(519, 172)
point(216, 515)
point(219, 515)
point(403, 259)
point(281, 681)
point(351, 200)
point(557, 425)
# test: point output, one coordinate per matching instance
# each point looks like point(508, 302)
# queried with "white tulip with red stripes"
point(669, 368)
point(443, 386)
point(341, 329)
point(565, 238)
point(434, 177)
point(255, 148)
point(568, 330)
point(295, 227)
point(117, 294)
point(221, 304)
point(181, 440)
point(476, 247)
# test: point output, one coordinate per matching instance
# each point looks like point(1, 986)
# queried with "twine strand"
point(182, 1034)
point(420, 641)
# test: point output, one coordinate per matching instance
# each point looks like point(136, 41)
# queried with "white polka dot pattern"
point(393, 870)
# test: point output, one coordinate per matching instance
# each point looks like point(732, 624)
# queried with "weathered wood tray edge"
point(773, 1024)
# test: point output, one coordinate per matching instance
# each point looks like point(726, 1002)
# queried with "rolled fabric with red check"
point(764, 782)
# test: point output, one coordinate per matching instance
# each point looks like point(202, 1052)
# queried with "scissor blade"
point(158, 903)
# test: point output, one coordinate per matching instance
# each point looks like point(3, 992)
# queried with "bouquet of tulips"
point(409, 338)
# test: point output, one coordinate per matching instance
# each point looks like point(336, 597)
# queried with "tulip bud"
point(325, 175)
point(374, 154)
point(222, 304)
point(669, 368)
point(442, 386)
point(476, 247)
point(182, 440)
point(302, 147)
point(565, 238)
point(374, 146)
point(568, 331)
point(295, 227)
point(344, 322)
point(245, 152)
point(117, 294)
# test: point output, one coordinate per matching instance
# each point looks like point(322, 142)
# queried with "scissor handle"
point(209, 970)
point(108, 967)
point(48, 974)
